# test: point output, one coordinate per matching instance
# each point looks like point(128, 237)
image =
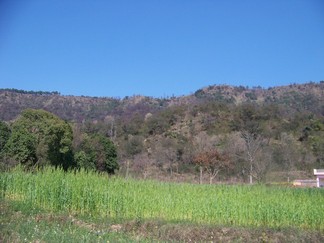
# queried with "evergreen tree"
point(40, 138)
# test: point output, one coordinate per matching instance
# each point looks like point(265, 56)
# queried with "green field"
point(100, 196)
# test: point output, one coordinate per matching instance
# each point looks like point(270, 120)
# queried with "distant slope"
point(72, 108)
point(309, 96)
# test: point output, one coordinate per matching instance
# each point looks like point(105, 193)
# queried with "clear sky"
point(158, 47)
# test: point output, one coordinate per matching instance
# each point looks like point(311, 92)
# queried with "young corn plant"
point(90, 193)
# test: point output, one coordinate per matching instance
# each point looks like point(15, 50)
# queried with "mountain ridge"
point(78, 108)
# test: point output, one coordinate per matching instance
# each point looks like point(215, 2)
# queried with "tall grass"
point(97, 195)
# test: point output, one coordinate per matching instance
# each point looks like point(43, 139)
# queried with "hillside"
point(78, 108)
point(164, 137)
point(308, 96)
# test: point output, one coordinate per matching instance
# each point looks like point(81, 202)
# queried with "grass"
point(21, 222)
point(98, 196)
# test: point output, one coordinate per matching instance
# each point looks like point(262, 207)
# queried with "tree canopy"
point(4, 134)
point(97, 152)
point(40, 138)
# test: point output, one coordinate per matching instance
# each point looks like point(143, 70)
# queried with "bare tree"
point(131, 147)
point(264, 161)
point(111, 124)
point(252, 147)
point(251, 151)
point(142, 163)
point(169, 152)
point(202, 142)
point(290, 155)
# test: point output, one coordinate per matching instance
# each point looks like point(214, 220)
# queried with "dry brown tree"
point(212, 162)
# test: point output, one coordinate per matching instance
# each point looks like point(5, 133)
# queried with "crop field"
point(88, 193)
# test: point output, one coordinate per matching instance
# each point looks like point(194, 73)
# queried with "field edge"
point(22, 222)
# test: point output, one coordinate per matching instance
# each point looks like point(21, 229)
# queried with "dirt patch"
point(199, 233)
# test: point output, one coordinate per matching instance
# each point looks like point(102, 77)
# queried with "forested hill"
point(230, 133)
point(308, 97)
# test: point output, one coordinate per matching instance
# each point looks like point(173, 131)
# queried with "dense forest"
point(218, 133)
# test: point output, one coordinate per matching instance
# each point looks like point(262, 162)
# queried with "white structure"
point(319, 173)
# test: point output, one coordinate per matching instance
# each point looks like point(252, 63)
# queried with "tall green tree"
point(106, 155)
point(97, 152)
point(4, 134)
point(40, 138)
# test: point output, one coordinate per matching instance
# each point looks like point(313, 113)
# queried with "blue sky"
point(158, 48)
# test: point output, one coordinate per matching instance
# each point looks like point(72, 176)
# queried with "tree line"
point(20, 91)
point(38, 138)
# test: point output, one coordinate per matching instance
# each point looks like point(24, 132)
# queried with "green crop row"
point(98, 195)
